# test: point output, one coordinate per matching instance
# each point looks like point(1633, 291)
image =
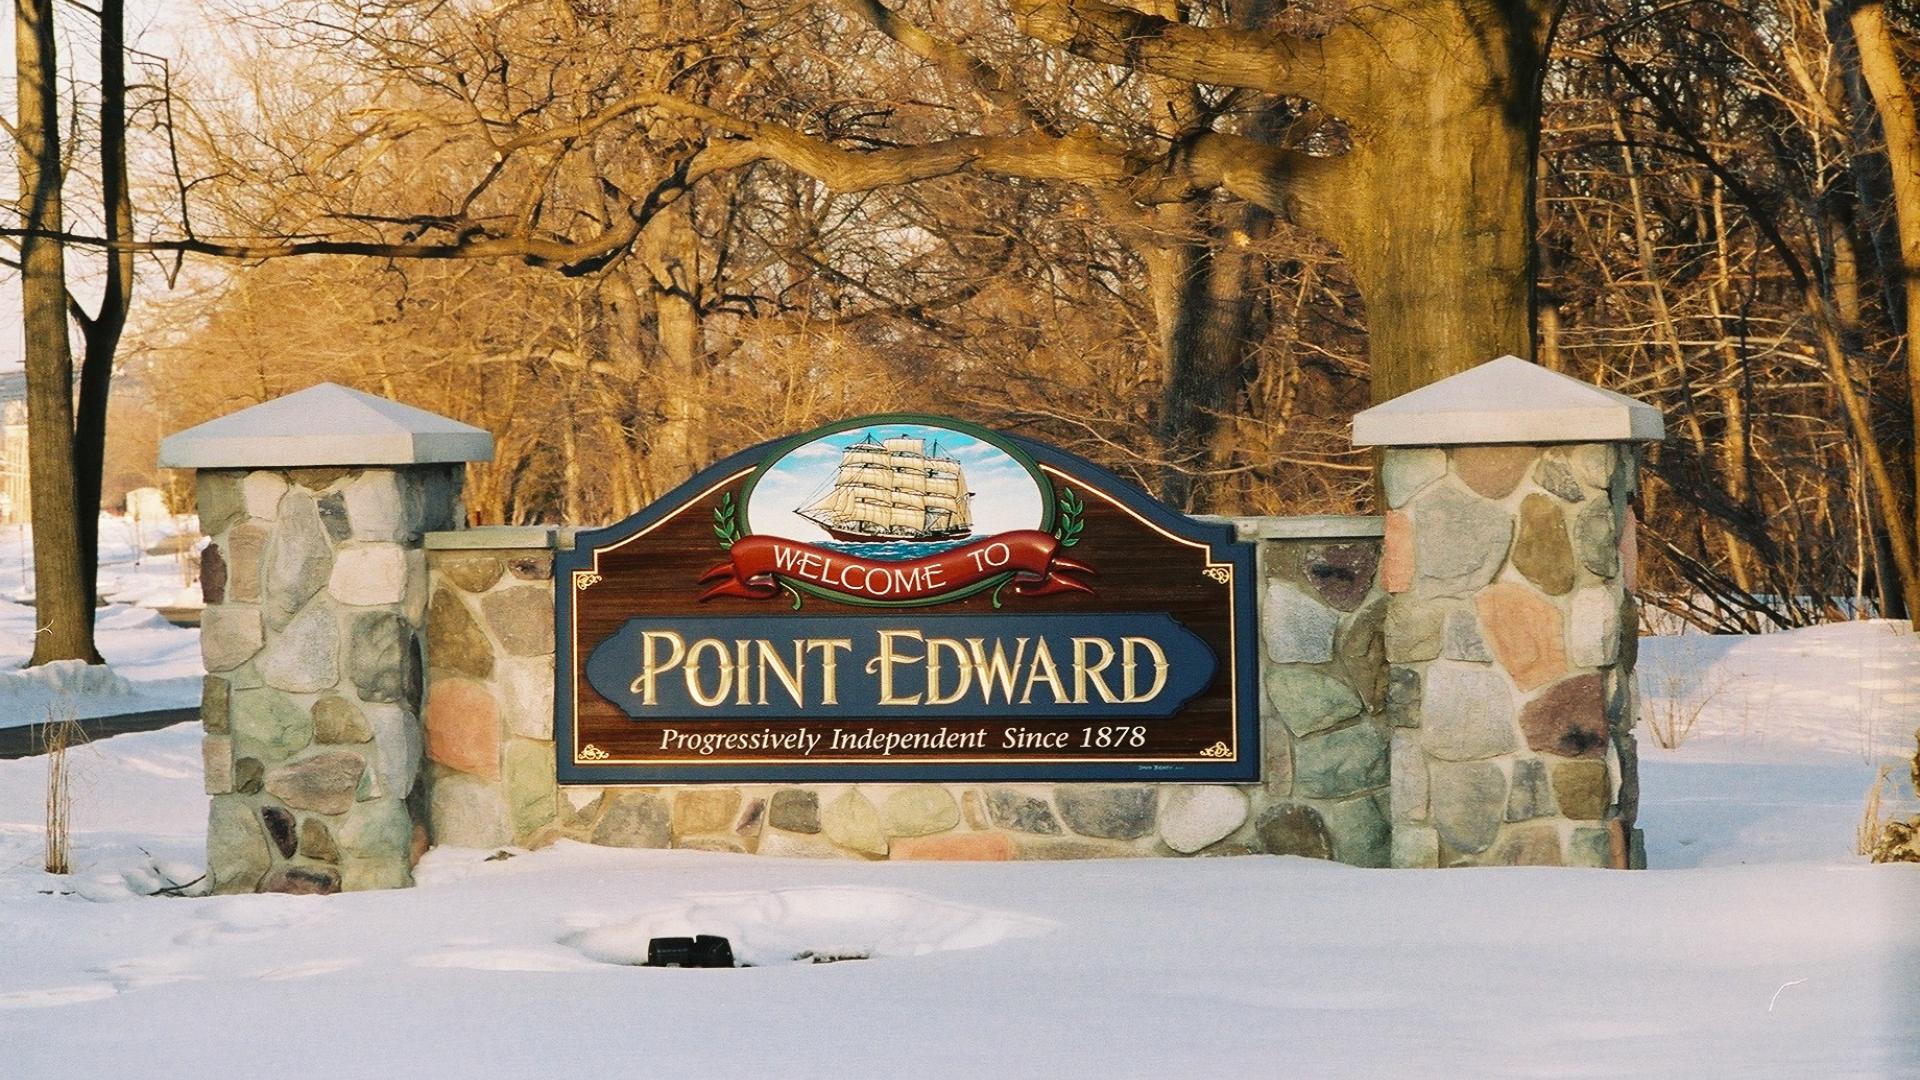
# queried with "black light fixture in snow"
point(704, 951)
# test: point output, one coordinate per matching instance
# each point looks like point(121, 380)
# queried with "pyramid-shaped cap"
point(1507, 401)
point(325, 425)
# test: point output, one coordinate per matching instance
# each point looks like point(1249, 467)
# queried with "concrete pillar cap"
point(1508, 400)
point(326, 424)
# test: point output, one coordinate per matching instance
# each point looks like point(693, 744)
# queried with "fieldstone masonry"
point(490, 697)
point(312, 648)
point(1505, 626)
point(1449, 685)
point(489, 720)
point(1511, 625)
point(315, 506)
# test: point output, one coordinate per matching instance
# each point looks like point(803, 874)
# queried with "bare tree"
point(1724, 145)
point(1158, 233)
point(63, 599)
point(67, 434)
point(100, 330)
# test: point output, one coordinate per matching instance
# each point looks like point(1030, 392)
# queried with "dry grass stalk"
point(1674, 711)
point(60, 733)
point(1872, 827)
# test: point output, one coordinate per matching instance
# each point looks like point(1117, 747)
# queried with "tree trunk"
point(623, 482)
point(61, 601)
point(1893, 101)
point(1859, 413)
point(1548, 314)
point(1736, 457)
point(1203, 289)
point(669, 249)
point(100, 335)
point(572, 506)
point(1436, 215)
point(620, 325)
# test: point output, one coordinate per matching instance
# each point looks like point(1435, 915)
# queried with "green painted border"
point(1049, 501)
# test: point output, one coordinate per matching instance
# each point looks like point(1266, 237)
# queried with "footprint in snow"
point(306, 970)
point(57, 995)
point(502, 960)
point(144, 971)
point(250, 918)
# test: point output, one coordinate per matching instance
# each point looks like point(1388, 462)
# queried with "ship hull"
point(851, 537)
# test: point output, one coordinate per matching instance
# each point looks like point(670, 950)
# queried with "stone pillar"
point(315, 585)
point(1511, 624)
point(489, 717)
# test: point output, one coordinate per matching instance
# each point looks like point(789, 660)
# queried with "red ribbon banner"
point(1031, 556)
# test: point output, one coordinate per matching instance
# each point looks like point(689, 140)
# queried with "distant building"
point(147, 505)
point(15, 503)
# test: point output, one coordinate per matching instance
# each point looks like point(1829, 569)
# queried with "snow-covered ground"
point(153, 664)
point(1759, 945)
point(1841, 692)
point(138, 563)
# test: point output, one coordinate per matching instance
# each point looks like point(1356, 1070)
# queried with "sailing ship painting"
point(895, 488)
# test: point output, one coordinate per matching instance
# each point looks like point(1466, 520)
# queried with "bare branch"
point(1284, 181)
point(1299, 187)
point(568, 256)
point(1223, 56)
point(995, 90)
point(1081, 156)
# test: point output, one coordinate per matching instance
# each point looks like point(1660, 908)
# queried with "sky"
point(1005, 496)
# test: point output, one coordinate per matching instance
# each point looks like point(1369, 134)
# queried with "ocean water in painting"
point(899, 551)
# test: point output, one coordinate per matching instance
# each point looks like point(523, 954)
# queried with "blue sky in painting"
point(1004, 494)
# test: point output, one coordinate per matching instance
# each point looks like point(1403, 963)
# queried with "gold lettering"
point(1082, 674)
point(885, 662)
point(936, 646)
point(829, 666)
point(1160, 668)
point(793, 678)
point(650, 669)
point(1043, 662)
point(692, 671)
point(996, 669)
point(741, 647)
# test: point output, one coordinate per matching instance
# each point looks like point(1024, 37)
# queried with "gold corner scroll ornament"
point(1217, 750)
point(1221, 574)
point(585, 579)
point(591, 752)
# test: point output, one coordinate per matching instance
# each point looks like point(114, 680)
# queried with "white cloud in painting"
point(1005, 496)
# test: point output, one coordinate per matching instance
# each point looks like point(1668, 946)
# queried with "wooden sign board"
point(903, 598)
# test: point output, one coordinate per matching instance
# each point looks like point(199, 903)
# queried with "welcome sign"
point(906, 598)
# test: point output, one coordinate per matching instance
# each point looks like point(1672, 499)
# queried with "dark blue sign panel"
point(906, 598)
point(817, 666)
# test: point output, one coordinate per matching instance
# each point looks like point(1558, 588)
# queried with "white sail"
point(963, 499)
point(893, 489)
point(835, 502)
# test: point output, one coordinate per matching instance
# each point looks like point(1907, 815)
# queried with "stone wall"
point(315, 587)
point(1511, 633)
point(489, 721)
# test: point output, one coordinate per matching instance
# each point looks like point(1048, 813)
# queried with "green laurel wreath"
point(1066, 528)
point(724, 525)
